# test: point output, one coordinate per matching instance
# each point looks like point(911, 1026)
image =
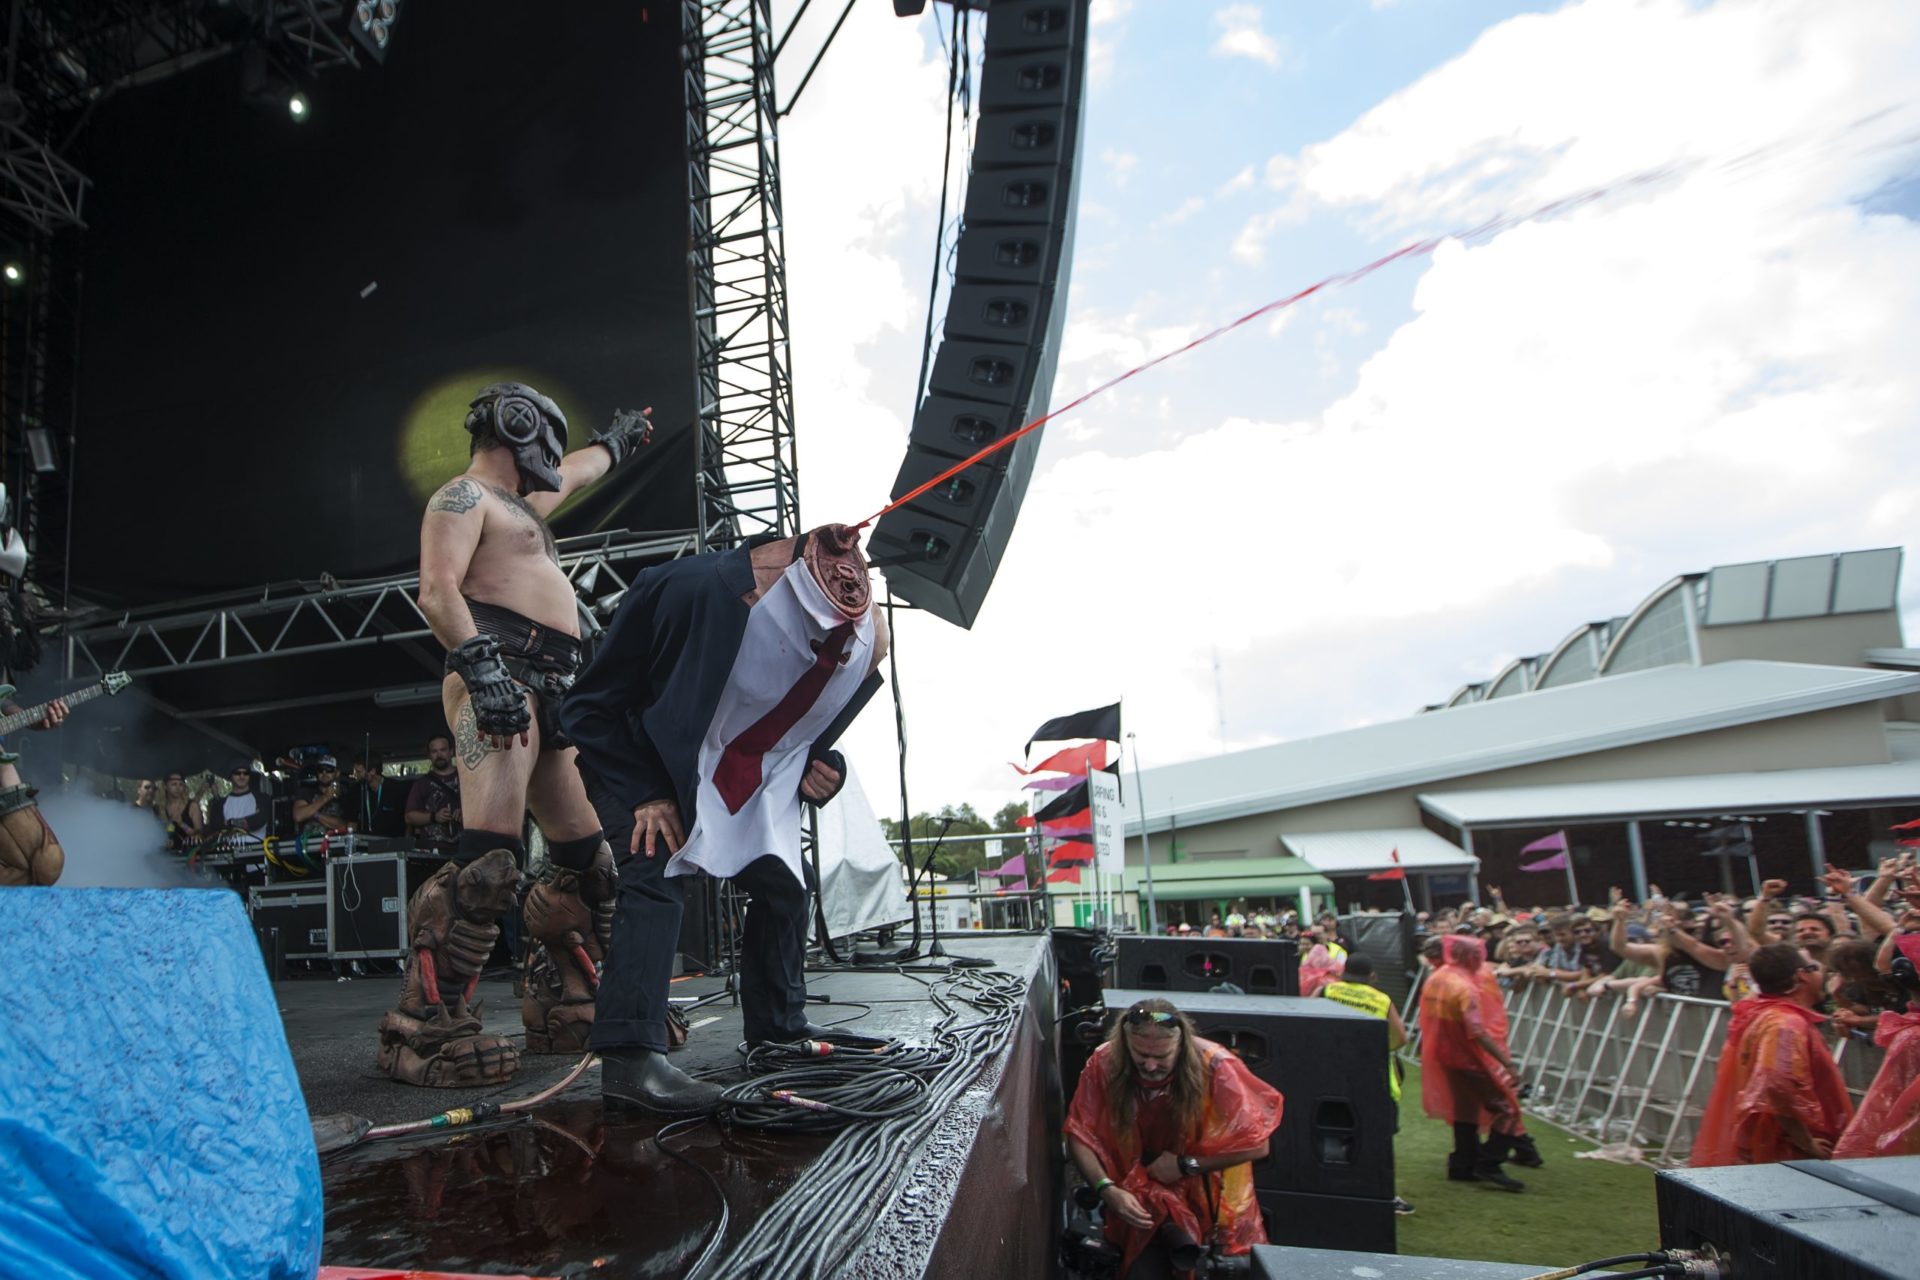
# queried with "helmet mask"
point(528, 425)
point(832, 553)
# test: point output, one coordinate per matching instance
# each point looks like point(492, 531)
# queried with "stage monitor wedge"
point(993, 371)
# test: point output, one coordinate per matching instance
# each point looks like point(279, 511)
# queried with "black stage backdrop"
point(511, 186)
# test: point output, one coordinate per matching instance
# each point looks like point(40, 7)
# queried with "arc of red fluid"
point(1417, 249)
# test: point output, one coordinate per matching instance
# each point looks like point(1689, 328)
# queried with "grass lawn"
point(1571, 1211)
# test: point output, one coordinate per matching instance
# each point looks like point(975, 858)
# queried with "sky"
point(1337, 515)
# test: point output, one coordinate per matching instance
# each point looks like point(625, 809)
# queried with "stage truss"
point(748, 477)
point(326, 618)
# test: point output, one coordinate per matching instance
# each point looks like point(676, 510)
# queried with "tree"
point(956, 857)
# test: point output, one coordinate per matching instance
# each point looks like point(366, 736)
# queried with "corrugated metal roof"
point(1345, 853)
point(1597, 715)
point(1229, 877)
point(1697, 796)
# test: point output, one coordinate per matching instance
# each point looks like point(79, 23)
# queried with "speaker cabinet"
point(1308, 1221)
point(1857, 1219)
point(993, 371)
point(1258, 966)
point(1330, 1064)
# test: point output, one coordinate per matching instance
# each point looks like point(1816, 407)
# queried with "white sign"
point(993, 854)
point(1103, 797)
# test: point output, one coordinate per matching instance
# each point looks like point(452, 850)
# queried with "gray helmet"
point(527, 423)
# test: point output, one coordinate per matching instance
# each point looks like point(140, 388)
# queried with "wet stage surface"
point(574, 1187)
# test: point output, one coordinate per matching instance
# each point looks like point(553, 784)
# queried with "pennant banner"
point(1071, 801)
point(1555, 843)
point(1065, 875)
point(1396, 872)
point(1101, 722)
point(1558, 862)
point(1050, 784)
point(1077, 760)
point(1075, 854)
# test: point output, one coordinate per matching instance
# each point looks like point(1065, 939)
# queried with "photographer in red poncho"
point(1165, 1127)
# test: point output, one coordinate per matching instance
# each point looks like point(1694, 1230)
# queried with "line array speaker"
point(1258, 966)
point(994, 369)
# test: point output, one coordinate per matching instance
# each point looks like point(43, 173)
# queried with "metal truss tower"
point(747, 476)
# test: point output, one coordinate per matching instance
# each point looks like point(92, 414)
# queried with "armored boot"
point(433, 1036)
point(29, 854)
point(569, 916)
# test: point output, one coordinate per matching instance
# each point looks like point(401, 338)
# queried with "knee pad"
point(473, 843)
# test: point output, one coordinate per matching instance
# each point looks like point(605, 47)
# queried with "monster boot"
point(433, 1037)
point(569, 917)
point(29, 854)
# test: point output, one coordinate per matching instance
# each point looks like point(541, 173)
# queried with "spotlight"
point(297, 106)
point(14, 273)
point(40, 449)
point(371, 25)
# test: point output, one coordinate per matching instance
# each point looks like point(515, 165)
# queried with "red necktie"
point(737, 776)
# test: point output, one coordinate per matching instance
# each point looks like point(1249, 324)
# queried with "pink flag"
point(1555, 843)
point(1558, 862)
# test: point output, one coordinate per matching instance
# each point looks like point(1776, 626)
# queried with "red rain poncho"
point(1460, 1081)
point(1888, 1122)
point(1242, 1112)
point(1774, 1064)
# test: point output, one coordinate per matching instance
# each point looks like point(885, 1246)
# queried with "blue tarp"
point(151, 1124)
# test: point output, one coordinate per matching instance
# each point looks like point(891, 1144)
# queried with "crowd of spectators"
point(321, 798)
point(1701, 948)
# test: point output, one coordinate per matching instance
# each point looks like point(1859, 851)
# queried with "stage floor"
point(576, 1188)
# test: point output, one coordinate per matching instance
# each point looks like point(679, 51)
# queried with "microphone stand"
point(914, 888)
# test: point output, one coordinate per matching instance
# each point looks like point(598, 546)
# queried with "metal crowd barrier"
point(1643, 1080)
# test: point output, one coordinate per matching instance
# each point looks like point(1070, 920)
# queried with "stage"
point(574, 1188)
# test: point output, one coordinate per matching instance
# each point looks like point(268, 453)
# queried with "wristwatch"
point(1189, 1167)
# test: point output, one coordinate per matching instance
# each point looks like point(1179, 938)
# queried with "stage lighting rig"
point(371, 25)
point(15, 274)
point(297, 107)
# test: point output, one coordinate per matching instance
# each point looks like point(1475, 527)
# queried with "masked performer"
point(698, 724)
point(29, 853)
point(1165, 1126)
point(1778, 1094)
point(492, 588)
point(1466, 1073)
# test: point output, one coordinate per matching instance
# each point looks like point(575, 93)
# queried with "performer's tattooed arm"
point(449, 535)
point(578, 469)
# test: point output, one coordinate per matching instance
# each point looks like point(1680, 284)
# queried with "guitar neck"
point(34, 715)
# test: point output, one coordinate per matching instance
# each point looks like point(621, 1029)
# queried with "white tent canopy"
point(1346, 853)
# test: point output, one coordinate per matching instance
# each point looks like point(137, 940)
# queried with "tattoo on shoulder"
point(459, 496)
point(466, 737)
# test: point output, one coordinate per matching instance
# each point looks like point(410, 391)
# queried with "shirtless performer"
point(29, 853)
point(493, 591)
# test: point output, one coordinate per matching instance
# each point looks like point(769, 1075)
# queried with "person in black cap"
point(320, 806)
point(241, 810)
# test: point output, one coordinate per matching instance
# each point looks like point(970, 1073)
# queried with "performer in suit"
point(697, 724)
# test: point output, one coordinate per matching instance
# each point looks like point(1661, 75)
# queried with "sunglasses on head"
point(1159, 1017)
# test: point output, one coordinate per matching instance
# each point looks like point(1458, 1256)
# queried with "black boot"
point(1525, 1153)
point(645, 1079)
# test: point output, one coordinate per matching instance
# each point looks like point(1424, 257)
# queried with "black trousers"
point(631, 1009)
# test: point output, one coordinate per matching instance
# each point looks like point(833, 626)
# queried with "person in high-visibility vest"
point(1355, 989)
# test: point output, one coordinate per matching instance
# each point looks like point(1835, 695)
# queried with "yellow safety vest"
point(1358, 995)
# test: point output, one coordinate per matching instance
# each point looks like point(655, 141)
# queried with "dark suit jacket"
point(639, 711)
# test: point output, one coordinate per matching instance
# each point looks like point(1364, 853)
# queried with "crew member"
point(1779, 1094)
point(29, 852)
point(1466, 1073)
point(1357, 990)
point(704, 721)
point(493, 591)
point(1165, 1127)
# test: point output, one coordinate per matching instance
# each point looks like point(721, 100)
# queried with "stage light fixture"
point(297, 106)
point(14, 273)
point(372, 25)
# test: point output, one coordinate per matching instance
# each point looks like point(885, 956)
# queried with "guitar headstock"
point(115, 681)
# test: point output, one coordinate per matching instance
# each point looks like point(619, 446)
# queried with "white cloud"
point(1241, 35)
point(1120, 164)
point(1181, 212)
point(1717, 369)
point(1106, 30)
point(1241, 181)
